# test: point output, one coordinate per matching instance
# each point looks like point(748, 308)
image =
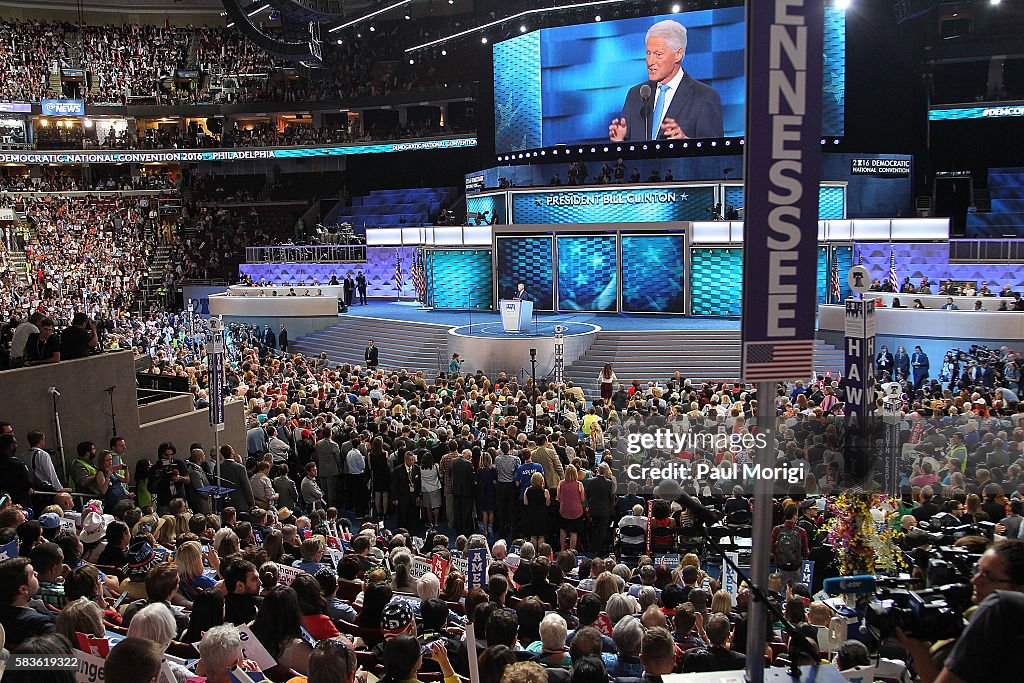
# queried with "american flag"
point(399, 284)
point(894, 281)
point(419, 277)
point(777, 361)
point(833, 282)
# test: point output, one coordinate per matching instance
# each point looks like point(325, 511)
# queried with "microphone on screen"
point(645, 95)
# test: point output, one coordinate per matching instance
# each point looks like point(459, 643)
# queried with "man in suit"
point(405, 491)
point(350, 288)
point(371, 354)
point(521, 292)
point(677, 106)
point(883, 361)
point(463, 487)
point(233, 475)
point(282, 339)
point(919, 361)
point(361, 287)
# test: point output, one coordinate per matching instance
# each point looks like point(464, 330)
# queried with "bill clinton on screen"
point(670, 105)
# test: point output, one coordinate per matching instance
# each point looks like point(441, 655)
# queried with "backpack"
point(788, 549)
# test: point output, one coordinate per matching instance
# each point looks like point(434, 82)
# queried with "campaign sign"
point(439, 566)
point(90, 667)
point(253, 649)
point(730, 579)
point(286, 575)
point(420, 567)
point(807, 573)
point(477, 576)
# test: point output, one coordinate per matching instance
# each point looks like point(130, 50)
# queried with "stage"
point(411, 311)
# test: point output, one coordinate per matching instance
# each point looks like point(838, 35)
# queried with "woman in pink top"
point(571, 501)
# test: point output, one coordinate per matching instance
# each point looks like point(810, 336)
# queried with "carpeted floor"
point(411, 312)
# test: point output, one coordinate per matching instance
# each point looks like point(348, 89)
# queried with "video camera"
point(931, 614)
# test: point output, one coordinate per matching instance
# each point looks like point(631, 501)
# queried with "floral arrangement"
point(863, 534)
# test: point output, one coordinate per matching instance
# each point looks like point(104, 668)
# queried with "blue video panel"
point(587, 274)
point(653, 273)
point(460, 278)
point(527, 260)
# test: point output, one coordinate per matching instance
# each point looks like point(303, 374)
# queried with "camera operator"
point(990, 645)
point(79, 339)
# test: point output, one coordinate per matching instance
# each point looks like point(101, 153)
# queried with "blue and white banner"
point(63, 107)
point(807, 572)
point(860, 355)
point(215, 353)
point(144, 157)
point(782, 172)
point(15, 108)
point(961, 113)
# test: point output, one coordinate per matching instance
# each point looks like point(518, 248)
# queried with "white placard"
point(286, 575)
point(90, 667)
point(67, 525)
point(420, 567)
point(253, 649)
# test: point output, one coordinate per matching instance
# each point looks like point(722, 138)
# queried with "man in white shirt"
point(20, 339)
point(39, 463)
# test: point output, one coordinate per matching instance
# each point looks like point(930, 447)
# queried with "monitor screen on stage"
point(587, 273)
point(527, 260)
point(565, 85)
point(653, 273)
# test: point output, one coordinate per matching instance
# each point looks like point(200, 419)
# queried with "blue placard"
point(807, 572)
point(10, 550)
point(477, 558)
point(63, 107)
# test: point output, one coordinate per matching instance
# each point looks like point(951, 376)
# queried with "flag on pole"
point(833, 282)
point(894, 281)
point(399, 285)
point(419, 278)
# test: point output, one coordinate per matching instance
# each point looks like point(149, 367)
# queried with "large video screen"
point(587, 273)
point(526, 260)
point(566, 85)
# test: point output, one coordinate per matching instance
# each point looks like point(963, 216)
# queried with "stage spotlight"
point(597, 17)
point(685, 145)
point(823, 141)
point(412, 61)
point(554, 152)
point(993, 2)
point(699, 144)
point(543, 152)
point(671, 145)
point(451, 2)
point(657, 146)
point(593, 150)
point(714, 143)
point(444, 53)
point(632, 148)
point(676, 9)
point(728, 142)
point(484, 40)
point(645, 148)
point(845, 5)
point(408, 16)
point(339, 41)
point(372, 28)
point(522, 28)
point(835, 141)
point(743, 141)
point(580, 150)
point(359, 35)
point(605, 149)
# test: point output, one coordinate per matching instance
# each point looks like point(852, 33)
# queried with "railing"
point(328, 253)
point(986, 251)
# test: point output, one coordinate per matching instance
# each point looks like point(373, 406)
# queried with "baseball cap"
point(49, 520)
point(396, 618)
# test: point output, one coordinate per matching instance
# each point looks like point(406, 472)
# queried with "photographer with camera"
point(990, 646)
point(79, 339)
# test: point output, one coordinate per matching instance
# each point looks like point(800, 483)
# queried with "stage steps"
point(413, 346)
point(650, 355)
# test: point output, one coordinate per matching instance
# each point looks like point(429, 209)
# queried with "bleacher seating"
point(1006, 219)
point(393, 209)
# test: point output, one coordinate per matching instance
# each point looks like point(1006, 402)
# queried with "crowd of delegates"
point(135, 61)
point(319, 599)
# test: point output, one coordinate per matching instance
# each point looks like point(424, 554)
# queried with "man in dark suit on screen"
point(671, 105)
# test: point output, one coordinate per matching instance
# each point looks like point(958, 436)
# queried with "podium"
point(516, 314)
